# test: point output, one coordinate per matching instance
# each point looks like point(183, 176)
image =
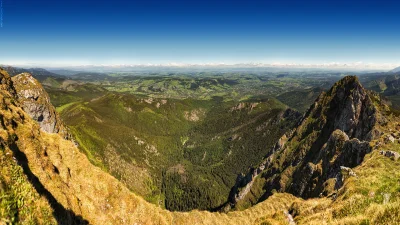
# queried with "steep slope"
point(393, 87)
point(6, 83)
point(395, 70)
point(334, 133)
point(300, 99)
point(20, 202)
point(386, 83)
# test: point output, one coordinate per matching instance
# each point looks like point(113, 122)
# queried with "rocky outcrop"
point(333, 134)
point(337, 155)
point(36, 102)
point(355, 113)
point(390, 154)
point(244, 105)
point(348, 170)
point(389, 139)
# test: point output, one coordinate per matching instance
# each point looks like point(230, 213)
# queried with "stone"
point(36, 103)
point(390, 154)
point(348, 170)
point(289, 218)
point(389, 139)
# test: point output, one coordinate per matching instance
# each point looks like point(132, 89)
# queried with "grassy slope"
point(301, 99)
point(19, 201)
point(386, 85)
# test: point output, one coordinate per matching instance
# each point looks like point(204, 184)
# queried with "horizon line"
point(326, 65)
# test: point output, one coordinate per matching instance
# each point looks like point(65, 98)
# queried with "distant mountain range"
point(395, 70)
point(357, 66)
point(38, 73)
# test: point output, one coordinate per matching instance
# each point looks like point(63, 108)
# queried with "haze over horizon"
point(345, 67)
point(359, 34)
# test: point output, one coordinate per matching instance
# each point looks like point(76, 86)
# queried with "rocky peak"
point(353, 111)
point(346, 107)
point(36, 102)
point(334, 133)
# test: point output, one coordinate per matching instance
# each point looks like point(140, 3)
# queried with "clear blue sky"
point(148, 31)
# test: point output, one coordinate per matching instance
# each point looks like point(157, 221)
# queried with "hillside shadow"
point(61, 214)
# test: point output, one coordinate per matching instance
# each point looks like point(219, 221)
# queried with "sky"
point(78, 32)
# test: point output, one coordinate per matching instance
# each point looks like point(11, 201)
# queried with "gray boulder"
point(390, 154)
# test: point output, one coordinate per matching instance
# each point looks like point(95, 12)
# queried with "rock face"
point(36, 102)
point(355, 113)
point(333, 134)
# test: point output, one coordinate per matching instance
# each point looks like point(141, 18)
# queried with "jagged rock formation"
point(334, 133)
point(36, 102)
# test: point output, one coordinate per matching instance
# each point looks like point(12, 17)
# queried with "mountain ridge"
point(395, 70)
point(342, 118)
point(96, 197)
